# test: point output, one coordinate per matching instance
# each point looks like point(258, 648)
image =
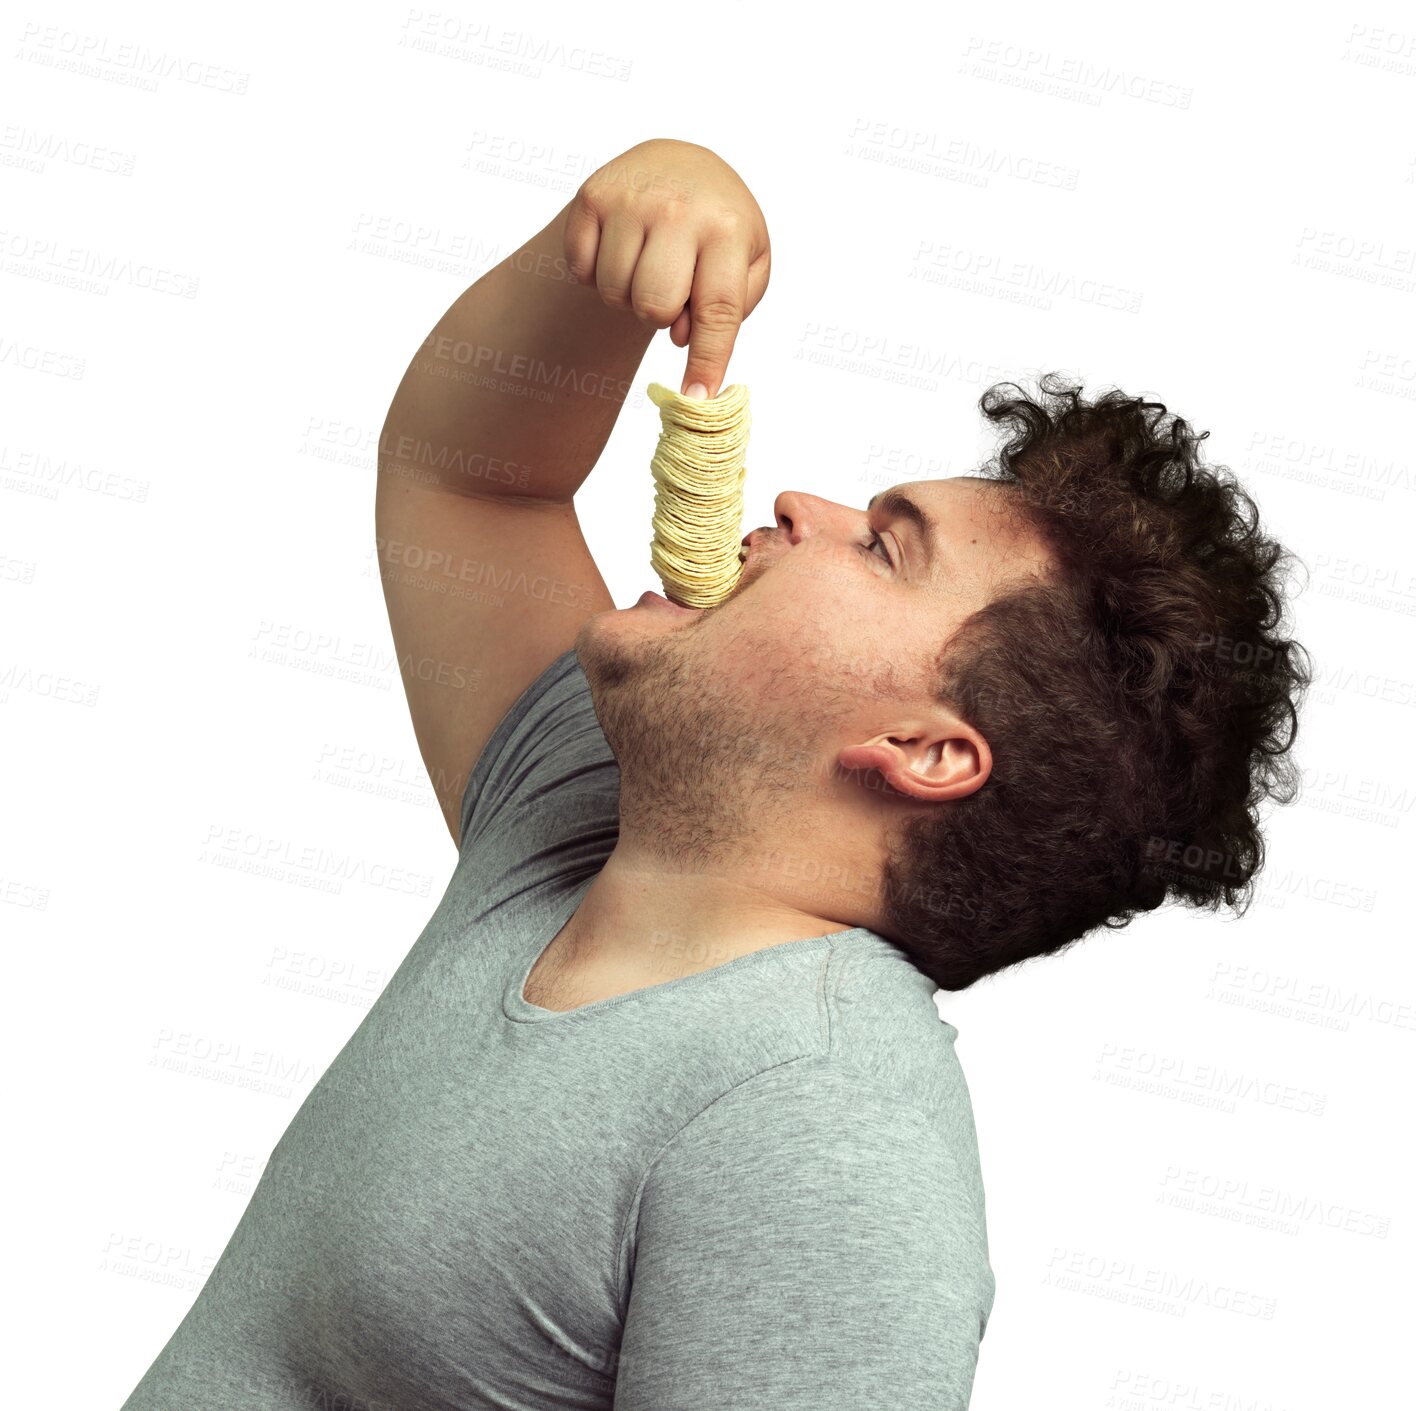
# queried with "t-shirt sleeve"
point(810, 1240)
point(543, 796)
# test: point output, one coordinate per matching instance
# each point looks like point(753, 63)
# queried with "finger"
point(758, 274)
point(679, 333)
point(620, 243)
point(716, 305)
point(663, 277)
point(582, 241)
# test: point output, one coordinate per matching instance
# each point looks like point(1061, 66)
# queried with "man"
point(658, 1111)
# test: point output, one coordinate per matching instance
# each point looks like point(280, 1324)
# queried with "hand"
point(670, 230)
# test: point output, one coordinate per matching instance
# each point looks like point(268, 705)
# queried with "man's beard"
point(700, 775)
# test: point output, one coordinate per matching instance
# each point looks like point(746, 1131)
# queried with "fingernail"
point(696, 389)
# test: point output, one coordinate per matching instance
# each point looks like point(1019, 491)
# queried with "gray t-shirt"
point(753, 1188)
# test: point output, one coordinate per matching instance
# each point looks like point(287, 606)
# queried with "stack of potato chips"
point(699, 468)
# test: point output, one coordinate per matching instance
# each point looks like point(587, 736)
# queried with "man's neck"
point(642, 918)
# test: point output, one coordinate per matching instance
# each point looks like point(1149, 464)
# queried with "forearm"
point(516, 389)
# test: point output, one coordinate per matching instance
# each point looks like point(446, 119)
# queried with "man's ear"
point(931, 760)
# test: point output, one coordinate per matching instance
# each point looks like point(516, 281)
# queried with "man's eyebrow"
point(898, 505)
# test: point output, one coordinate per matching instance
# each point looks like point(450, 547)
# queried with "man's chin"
point(619, 640)
point(614, 648)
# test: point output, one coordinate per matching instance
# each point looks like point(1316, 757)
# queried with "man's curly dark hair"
point(1140, 704)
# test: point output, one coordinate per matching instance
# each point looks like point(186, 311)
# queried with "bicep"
point(482, 595)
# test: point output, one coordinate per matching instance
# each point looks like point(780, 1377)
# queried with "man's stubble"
point(703, 774)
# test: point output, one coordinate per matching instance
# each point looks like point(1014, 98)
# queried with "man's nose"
point(794, 515)
point(801, 515)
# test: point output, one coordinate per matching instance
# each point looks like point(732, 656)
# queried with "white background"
point(212, 282)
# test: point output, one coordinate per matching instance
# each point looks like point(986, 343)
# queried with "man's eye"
point(872, 544)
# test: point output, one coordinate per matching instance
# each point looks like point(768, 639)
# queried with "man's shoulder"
point(831, 1024)
point(547, 760)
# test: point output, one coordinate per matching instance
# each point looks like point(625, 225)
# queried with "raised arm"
point(505, 409)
